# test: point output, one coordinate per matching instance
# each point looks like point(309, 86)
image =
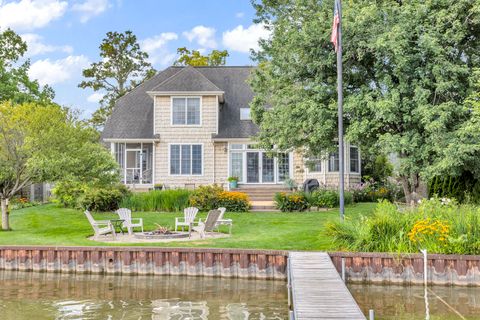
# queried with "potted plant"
point(158, 186)
point(233, 181)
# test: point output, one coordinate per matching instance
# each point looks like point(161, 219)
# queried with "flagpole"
point(341, 159)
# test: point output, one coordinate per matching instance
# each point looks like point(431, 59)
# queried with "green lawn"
point(53, 225)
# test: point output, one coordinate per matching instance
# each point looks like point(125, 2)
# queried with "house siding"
point(184, 135)
point(221, 163)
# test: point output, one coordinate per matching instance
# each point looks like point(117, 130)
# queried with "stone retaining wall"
point(257, 264)
point(408, 268)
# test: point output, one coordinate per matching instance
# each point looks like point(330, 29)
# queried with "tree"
point(407, 73)
point(121, 68)
point(196, 59)
point(15, 85)
point(46, 143)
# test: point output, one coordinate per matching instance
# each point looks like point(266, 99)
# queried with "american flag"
point(336, 22)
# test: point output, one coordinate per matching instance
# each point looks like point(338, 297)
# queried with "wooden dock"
point(316, 290)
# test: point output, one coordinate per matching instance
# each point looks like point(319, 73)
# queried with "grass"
point(53, 225)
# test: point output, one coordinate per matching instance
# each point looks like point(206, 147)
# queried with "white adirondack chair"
point(100, 227)
point(128, 222)
point(188, 218)
point(208, 225)
point(222, 221)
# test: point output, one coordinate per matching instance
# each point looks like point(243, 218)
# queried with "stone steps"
point(261, 196)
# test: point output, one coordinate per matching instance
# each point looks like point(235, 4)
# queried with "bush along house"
point(191, 126)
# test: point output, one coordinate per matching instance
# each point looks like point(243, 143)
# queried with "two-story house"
point(189, 126)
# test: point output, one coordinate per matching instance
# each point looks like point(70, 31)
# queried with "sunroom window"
point(135, 161)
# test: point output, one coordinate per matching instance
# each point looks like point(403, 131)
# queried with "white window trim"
point(249, 114)
point(185, 125)
point(190, 144)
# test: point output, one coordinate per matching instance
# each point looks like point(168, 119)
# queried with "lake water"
point(408, 302)
point(36, 296)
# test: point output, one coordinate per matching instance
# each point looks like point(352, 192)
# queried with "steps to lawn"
point(261, 196)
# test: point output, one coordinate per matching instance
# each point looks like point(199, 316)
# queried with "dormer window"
point(245, 114)
point(186, 111)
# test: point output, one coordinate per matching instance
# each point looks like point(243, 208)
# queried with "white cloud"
point(155, 47)
point(36, 46)
point(204, 36)
point(240, 14)
point(91, 8)
point(51, 72)
point(156, 42)
point(30, 14)
point(95, 97)
point(243, 39)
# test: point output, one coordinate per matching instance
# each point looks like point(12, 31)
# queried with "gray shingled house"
point(189, 126)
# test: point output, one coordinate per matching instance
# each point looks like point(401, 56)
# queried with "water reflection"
point(411, 302)
point(25, 295)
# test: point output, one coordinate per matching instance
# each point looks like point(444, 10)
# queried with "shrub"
point(329, 198)
point(212, 197)
point(73, 194)
point(233, 201)
point(289, 202)
point(103, 198)
point(157, 200)
point(438, 225)
point(372, 191)
point(206, 197)
point(21, 202)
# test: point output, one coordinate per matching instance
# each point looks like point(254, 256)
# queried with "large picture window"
point(186, 111)
point(186, 159)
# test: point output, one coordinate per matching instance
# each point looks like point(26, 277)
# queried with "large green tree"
point(15, 85)
point(194, 58)
point(122, 67)
point(46, 143)
point(407, 73)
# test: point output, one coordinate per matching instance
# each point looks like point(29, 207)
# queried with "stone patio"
point(126, 238)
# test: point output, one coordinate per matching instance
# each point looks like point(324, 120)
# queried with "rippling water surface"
point(32, 296)
point(411, 303)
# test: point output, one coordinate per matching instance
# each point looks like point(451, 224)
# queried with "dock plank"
point(318, 292)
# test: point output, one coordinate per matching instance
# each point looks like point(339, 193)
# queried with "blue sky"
point(63, 36)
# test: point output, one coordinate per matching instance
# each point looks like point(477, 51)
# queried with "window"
point(186, 159)
point(354, 160)
point(236, 165)
point(314, 164)
point(135, 161)
point(245, 114)
point(185, 111)
point(333, 162)
point(237, 146)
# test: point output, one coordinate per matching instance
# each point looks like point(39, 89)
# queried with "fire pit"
point(153, 235)
point(162, 233)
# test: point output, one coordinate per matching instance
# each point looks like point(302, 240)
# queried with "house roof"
point(132, 117)
point(187, 79)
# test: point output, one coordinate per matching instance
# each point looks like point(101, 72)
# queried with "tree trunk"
point(413, 188)
point(5, 221)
